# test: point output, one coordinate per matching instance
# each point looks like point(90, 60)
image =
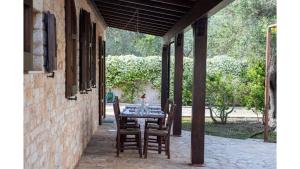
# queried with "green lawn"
point(239, 128)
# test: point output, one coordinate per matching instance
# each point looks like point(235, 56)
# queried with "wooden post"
point(178, 84)
point(199, 81)
point(164, 76)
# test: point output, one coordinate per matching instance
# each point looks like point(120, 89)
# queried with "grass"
point(240, 128)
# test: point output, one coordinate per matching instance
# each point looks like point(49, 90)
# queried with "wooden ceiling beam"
point(134, 26)
point(158, 5)
point(181, 3)
point(134, 19)
point(140, 26)
point(150, 32)
point(133, 22)
point(141, 12)
point(141, 16)
point(121, 4)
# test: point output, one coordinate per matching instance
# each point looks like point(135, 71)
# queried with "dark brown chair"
point(125, 121)
point(163, 134)
point(122, 141)
point(154, 123)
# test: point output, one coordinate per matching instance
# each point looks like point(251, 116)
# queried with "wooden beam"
point(121, 4)
point(199, 81)
point(150, 32)
point(178, 76)
point(141, 27)
point(181, 3)
point(158, 5)
point(200, 9)
point(113, 13)
point(126, 21)
point(134, 20)
point(117, 9)
point(164, 76)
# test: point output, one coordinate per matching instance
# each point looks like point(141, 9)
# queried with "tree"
point(220, 97)
point(122, 42)
point(252, 89)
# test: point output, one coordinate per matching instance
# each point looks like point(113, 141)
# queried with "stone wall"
point(56, 130)
point(152, 95)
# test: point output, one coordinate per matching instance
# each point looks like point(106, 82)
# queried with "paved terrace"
point(220, 153)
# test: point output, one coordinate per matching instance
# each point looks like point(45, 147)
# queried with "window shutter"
point(84, 38)
point(28, 28)
point(93, 62)
point(89, 48)
point(51, 57)
point(71, 48)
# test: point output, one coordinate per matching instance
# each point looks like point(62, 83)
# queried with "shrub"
point(131, 74)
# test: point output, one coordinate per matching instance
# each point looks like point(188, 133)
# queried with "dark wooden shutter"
point(93, 62)
point(28, 28)
point(51, 57)
point(71, 48)
point(84, 46)
point(103, 76)
point(28, 25)
point(89, 48)
point(100, 91)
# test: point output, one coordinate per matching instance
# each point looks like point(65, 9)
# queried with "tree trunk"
point(272, 92)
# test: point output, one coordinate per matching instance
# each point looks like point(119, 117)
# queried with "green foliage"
point(220, 95)
point(239, 29)
point(121, 42)
point(131, 74)
point(252, 90)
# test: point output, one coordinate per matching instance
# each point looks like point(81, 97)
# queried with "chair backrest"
point(166, 110)
point(117, 104)
point(116, 112)
point(170, 118)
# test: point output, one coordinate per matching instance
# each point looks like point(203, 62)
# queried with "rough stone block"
point(38, 5)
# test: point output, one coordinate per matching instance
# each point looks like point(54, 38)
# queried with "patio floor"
point(220, 153)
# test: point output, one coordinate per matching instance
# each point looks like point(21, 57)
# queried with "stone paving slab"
point(220, 153)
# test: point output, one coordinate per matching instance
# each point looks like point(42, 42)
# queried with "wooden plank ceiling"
point(155, 17)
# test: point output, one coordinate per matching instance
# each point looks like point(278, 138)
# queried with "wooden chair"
point(154, 123)
point(164, 134)
point(122, 133)
point(124, 121)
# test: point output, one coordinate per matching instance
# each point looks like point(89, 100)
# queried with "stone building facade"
point(56, 130)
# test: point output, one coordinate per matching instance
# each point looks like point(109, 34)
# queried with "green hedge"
point(131, 74)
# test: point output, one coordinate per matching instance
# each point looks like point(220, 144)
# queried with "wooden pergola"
point(170, 19)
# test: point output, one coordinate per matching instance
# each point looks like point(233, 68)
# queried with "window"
point(84, 50)
point(71, 48)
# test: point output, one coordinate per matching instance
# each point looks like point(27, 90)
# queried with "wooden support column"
point(199, 81)
point(164, 76)
point(178, 83)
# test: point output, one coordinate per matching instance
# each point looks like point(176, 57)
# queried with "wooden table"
point(133, 111)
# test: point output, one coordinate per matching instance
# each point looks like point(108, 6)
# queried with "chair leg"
point(168, 146)
point(140, 144)
point(159, 144)
point(118, 145)
point(122, 137)
point(144, 142)
point(146, 145)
